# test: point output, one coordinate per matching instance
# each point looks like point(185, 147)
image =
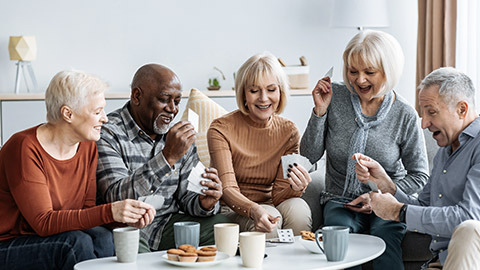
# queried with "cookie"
point(206, 256)
point(209, 248)
point(187, 248)
point(188, 257)
point(173, 254)
point(307, 235)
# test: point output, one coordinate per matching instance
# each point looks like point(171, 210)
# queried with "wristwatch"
point(402, 213)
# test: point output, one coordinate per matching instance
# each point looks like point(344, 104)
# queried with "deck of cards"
point(195, 177)
point(294, 158)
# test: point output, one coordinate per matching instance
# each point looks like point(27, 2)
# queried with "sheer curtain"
point(468, 36)
point(436, 37)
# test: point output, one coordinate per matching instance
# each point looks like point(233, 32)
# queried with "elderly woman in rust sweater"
point(49, 218)
point(246, 147)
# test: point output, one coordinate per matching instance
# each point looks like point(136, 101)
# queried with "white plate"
point(220, 258)
point(310, 245)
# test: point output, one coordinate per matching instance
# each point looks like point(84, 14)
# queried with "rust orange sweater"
point(45, 196)
point(248, 155)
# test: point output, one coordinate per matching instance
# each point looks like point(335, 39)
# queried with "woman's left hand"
point(298, 177)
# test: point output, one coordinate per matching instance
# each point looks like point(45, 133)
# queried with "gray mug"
point(335, 242)
point(186, 233)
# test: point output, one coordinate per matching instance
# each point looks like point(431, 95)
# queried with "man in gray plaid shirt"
point(143, 156)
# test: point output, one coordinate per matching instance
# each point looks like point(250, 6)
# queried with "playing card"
point(195, 177)
point(285, 236)
point(154, 200)
point(373, 186)
point(329, 73)
point(294, 158)
point(363, 167)
point(193, 118)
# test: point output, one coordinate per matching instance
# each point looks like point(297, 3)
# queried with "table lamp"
point(24, 50)
point(359, 13)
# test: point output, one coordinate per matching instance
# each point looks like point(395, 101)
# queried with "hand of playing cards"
point(195, 177)
point(294, 158)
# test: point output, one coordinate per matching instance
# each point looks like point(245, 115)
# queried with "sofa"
point(415, 246)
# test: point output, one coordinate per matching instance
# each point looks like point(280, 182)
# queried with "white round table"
point(362, 248)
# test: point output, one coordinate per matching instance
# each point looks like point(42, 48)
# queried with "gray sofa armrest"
point(312, 197)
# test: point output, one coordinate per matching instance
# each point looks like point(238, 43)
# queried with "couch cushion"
point(207, 110)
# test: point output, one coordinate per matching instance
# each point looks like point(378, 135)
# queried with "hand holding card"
point(294, 158)
point(195, 177)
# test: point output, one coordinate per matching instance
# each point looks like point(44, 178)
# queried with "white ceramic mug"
point(126, 243)
point(226, 237)
point(252, 248)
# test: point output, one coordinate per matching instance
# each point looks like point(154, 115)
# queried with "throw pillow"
point(207, 111)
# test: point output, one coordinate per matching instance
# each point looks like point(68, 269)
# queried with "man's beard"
point(163, 128)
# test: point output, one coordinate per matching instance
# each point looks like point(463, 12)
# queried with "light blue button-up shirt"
point(452, 194)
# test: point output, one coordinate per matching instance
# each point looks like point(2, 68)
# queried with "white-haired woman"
point(48, 183)
point(246, 147)
point(365, 115)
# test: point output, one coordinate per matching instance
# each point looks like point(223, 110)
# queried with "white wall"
point(112, 38)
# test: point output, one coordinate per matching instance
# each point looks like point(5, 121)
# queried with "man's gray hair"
point(453, 86)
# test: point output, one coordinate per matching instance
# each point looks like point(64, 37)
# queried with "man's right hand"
point(373, 171)
point(322, 95)
point(179, 139)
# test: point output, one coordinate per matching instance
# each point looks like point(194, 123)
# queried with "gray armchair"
point(415, 246)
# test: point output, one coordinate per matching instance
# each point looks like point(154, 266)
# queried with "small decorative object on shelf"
point(24, 50)
point(214, 82)
point(297, 74)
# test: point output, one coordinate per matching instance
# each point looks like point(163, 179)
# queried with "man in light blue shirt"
point(452, 194)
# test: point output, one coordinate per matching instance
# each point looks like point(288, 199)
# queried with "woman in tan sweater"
point(246, 147)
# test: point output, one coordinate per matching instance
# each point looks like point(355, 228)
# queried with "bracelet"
point(402, 214)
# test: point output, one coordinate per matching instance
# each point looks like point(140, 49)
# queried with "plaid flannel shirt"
point(131, 166)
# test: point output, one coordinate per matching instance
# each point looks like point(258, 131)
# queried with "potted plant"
point(214, 82)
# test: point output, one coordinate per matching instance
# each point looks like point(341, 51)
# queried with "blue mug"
point(335, 242)
point(186, 233)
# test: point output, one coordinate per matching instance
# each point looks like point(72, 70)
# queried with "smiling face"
point(262, 99)
point(366, 81)
point(156, 94)
point(444, 122)
point(88, 120)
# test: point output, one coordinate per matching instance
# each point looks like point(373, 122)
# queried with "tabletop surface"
point(362, 248)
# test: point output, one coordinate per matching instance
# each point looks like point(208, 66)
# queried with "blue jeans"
point(391, 232)
point(59, 251)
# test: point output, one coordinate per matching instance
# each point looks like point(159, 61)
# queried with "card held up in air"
point(193, 118)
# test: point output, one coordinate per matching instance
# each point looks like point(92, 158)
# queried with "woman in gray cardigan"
point(364, 115)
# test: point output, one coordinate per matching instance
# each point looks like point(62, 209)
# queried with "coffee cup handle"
point(316, 240)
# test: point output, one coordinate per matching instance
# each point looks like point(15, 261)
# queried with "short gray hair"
point(453, 86)
point(378, 50)
point(250, 73)
point(70, 88)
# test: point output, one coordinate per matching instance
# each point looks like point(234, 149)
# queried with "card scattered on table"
point(193, 118)
point(294, 158)
point(195, 177)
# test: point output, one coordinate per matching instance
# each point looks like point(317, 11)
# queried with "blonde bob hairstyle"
point(377, 50)
point(70, 88)
point(250, 74)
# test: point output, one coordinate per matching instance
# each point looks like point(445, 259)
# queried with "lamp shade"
point(359, 13)
point(22, 48)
